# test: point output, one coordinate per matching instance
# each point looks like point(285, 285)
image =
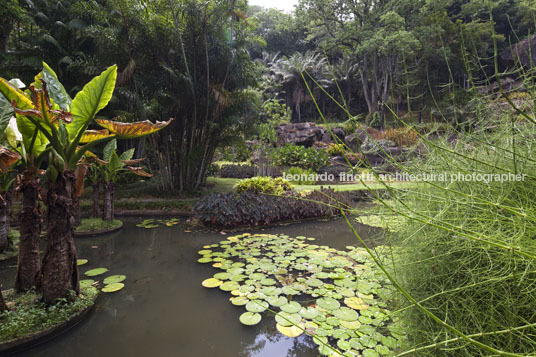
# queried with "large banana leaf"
point(25, 126)
point(133, 130)
point(90, 100)
point(92, 135)
point(57, 92)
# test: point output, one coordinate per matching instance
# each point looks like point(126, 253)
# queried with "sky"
point(285, 5)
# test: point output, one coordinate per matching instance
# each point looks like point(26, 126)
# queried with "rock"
point(520, 52)
point(303, 134)
point(352, 142)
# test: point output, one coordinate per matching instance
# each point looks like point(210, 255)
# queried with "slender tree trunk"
point(112, 201)
point(59, 273)
point(3, 306)
point(95, 210)
point(3, 222)
point(76, 210)
point(107, 206)
point(30, 221)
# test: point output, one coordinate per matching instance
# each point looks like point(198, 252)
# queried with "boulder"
point(303, 134)
point(520, 52)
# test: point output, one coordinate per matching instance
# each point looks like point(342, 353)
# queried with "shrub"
point(400, 136)
point(336, 149)
point(292, 172)
point(268, 185)
point(238, 171)
point(213, 170)
point(292, 155)
point(232, 210)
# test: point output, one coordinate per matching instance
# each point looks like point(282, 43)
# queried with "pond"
point(164, 310)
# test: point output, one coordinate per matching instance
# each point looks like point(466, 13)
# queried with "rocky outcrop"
point(523, 52)
point(303, 134)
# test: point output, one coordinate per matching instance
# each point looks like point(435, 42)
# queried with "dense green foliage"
point(303, 176)
point(231, 210)
point(291, 155)
point(266, 185)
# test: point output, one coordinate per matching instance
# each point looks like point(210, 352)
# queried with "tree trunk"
point(3, 222)
point(59, 273)
point(3, 306)
point(95, 210)
point(30, 222)
point(112, 201)
point(76, 210)
point(107, 207)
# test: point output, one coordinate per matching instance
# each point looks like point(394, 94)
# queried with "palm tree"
point(289, 72)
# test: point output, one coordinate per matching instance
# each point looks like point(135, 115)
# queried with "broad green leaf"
point(91, 99)
point(109, 149)
point(127, 155)
point(55, 89)
point(11, 93)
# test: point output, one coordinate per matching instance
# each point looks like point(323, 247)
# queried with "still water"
point(164, 310)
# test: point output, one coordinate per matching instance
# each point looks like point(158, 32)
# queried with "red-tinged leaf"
point(80, 174)
point(139, 171)
point(133, 162)
point(7, 158)
point(133, 130)
point(93, 135)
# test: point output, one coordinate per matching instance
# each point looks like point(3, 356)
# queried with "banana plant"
point(110, 168)
point(63, 123)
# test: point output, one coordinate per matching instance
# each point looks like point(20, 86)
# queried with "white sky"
point(285, 5)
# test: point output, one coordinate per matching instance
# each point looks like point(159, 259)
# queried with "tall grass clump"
point(467, 253)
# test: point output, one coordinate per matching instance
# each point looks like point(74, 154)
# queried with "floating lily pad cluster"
point(154, 223)
point(111, 283)
point(337, 297)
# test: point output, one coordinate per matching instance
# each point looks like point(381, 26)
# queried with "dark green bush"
point(268, 185)
point(238, 171)
point(231, 210)
point(292, 155)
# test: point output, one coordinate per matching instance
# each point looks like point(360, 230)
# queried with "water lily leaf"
point(351, 325)
point(268, 281)
point(345, 314)
point(309, 312)
point(289, 290)
point(81, 262)
point(211, 283)
point(286, 319)
point(111, 288)
point(370, 353)
point(204, 252)
point(276, 300)
point(271, 291)
point(204, 260)
point(229, 286)
point(356, 303)
point(290, 331)
point(95, 272)
point(344, 345)
point(256, 306)
point(239, 300)
point(292, 307)
point(250, 318)
point(328, 303)
point(114, 279)
point(86, 283)
point(257, 276)
point(222, 276)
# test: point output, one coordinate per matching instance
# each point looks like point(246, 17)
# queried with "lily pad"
point(250, 318)
point(345, 314)
point(239, 301)
point(86, 283)
point(286, 319)
point(356, 303)
point(229, 286)
point(309, 312)
point(328, 303)
point(111, 288)
point(292, 307)
point(256, 306)
point(276, 300)
point(114, 279)
point(96, 272)
point(290, 331)
point(211, 283)
point(81, 262)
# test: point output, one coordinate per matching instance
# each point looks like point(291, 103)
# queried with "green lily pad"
point(239, 301)
point(114, 279)
point(250, 318)
point(350, 325)
point(204, 260)
point(309, 312)
point(81, 262)
point(222, 276)
point(292, 307)
point(256, 306)
point(268, 281)
point(229, 286)
point(96, 272)
point(86, 283)
point(345, 314)
point(328, 303)
point(276, 300)
point(286, 319)
point(211, 283)
point(111, 288)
